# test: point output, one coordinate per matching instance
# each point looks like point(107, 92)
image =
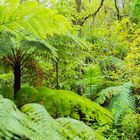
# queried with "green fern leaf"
point(120, 98)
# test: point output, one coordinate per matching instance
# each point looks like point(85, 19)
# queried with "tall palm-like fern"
point(18, 53)
point(93, 79)
point(120, 99)
point(31, 21)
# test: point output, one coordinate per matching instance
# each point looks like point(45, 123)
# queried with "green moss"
point(61, 103)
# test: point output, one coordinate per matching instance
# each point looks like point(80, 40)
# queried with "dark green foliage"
point(61, 103)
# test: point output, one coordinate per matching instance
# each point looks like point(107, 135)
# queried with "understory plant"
point(62, 103)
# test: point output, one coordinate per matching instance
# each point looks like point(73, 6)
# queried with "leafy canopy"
point(31, 19)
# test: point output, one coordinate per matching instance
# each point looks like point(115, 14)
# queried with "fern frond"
point(120, 99)
point(76, 129)
point(83, 44)
point(107, 93)
point(41, 45)
point(34, 123)
point(14, 124)
point(120, 104)
point(112, 60)
point(44, 122)
point(30, 18)
point(6, 42)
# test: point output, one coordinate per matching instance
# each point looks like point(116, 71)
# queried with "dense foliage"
point(70, 69)
point(60, 103)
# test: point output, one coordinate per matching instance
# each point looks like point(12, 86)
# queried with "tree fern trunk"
point(17, 77)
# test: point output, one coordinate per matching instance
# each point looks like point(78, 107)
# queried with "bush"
point(61, 103)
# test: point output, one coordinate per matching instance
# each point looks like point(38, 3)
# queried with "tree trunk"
point(57, 77)
point(17, 78)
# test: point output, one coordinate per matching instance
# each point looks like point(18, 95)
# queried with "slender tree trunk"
point(57, 72)
point(17, 78)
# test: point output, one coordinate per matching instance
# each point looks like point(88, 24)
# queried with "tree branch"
point(95, 13)
point(118, 12)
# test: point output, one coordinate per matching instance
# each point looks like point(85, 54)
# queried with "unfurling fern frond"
point(120, 99)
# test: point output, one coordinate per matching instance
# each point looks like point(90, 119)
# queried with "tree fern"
point(93, 80)
point(16, 54)
point(120, 99)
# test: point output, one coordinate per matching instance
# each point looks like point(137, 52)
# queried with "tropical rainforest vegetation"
point(69, 69)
